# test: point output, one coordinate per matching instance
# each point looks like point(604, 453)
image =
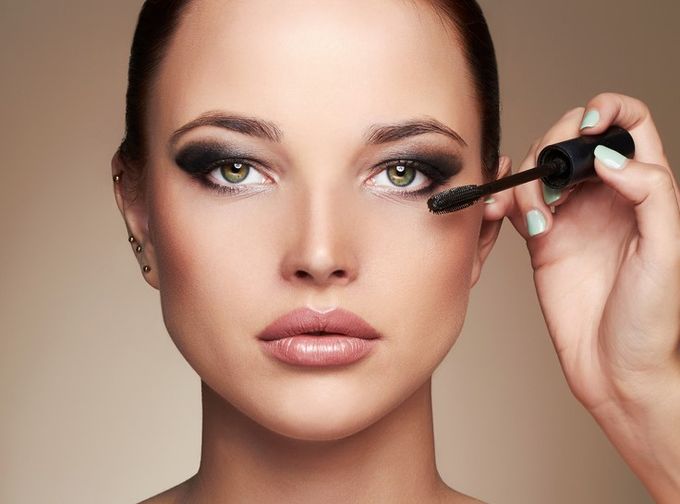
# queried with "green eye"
point(234, 172)
point(401, 175)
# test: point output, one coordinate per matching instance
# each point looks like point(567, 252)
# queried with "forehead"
point(315, 67)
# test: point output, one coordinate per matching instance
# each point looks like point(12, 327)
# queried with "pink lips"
point(309, 338)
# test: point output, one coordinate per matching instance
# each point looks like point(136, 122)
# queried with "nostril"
point(339, 273)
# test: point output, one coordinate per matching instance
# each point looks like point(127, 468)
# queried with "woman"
point(273, 180)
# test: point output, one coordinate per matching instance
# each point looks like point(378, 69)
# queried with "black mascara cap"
point(576, 157)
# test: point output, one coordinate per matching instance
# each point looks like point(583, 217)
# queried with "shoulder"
point(452, 496)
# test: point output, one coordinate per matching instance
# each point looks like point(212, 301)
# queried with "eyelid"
point(201, 158)
point(438, 168)
point(233, 160)
point(198, 156)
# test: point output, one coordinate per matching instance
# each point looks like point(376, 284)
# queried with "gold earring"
point(131, 239)
point(139, 248)
point(116, 177)
point(146, 269)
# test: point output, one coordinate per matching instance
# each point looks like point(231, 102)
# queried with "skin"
point(607, 268)
point(325, 233)
point(607, 275)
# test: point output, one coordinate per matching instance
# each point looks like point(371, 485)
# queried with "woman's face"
point(320, 220)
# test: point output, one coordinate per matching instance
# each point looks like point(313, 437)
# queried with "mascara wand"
point(561, 165)
point(461, 197)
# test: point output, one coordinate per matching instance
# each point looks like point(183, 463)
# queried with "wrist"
point(647, 435)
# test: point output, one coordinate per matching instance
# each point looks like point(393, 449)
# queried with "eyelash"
point(203, 176)
point(434, 174)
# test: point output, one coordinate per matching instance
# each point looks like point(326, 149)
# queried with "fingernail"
point(610, 157)
point(536, 222)
point(550, 195)
point(489, 199)
point(591, 118)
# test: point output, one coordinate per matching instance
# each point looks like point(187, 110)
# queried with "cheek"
point(425, 285)
point(211, 256)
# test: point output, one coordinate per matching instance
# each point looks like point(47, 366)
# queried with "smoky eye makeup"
point(199, 159)
point(438, 165)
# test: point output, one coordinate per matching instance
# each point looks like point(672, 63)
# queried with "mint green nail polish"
point(610, 157)
point(489, 199)
point(536, 222)
point(591, 118)
point(550, 195)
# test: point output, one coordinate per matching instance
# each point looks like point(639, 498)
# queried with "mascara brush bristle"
point(455, 199)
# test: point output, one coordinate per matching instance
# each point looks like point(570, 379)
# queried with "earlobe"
point(135, 214)
point(492, 221)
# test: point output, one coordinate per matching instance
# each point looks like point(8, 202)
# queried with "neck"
point(392, 460)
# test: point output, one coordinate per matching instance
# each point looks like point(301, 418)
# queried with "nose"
point(322, 248)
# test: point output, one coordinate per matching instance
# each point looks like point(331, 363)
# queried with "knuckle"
point(609, 96)
point(659, 178)
point(658, 175)
point(640, 104)
point(623, 102)
point(645, 108)
point(639, 109)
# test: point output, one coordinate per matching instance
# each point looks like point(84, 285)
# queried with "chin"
point(318, 426)
point(313, 416)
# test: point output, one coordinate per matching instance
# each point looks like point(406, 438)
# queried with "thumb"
point(650, 190)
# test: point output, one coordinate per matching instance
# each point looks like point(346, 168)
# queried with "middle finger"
point(531, 196)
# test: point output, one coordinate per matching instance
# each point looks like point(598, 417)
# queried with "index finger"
point(633, 115)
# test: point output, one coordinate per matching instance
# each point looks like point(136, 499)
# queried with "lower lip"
point(325, 350)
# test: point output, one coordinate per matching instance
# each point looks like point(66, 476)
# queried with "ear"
point(491, 221)
point(133, 207)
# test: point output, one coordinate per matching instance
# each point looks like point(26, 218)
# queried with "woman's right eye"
point(235, 172)
point(219, 169)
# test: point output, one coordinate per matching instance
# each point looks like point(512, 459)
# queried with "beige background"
point(96, 400)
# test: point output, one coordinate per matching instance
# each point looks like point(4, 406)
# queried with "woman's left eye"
point(403, 173)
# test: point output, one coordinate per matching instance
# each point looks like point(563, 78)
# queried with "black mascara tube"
point(576, 157)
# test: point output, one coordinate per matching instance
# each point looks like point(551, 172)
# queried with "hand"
point(607, 273)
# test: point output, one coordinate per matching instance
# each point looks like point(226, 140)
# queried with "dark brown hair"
point(159, 19)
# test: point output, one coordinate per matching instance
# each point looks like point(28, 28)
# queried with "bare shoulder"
point(452, 496)
point(172, 495)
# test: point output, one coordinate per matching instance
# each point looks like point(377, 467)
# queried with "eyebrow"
point(375, 134)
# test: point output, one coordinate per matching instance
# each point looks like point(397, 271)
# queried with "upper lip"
point(306, 321)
